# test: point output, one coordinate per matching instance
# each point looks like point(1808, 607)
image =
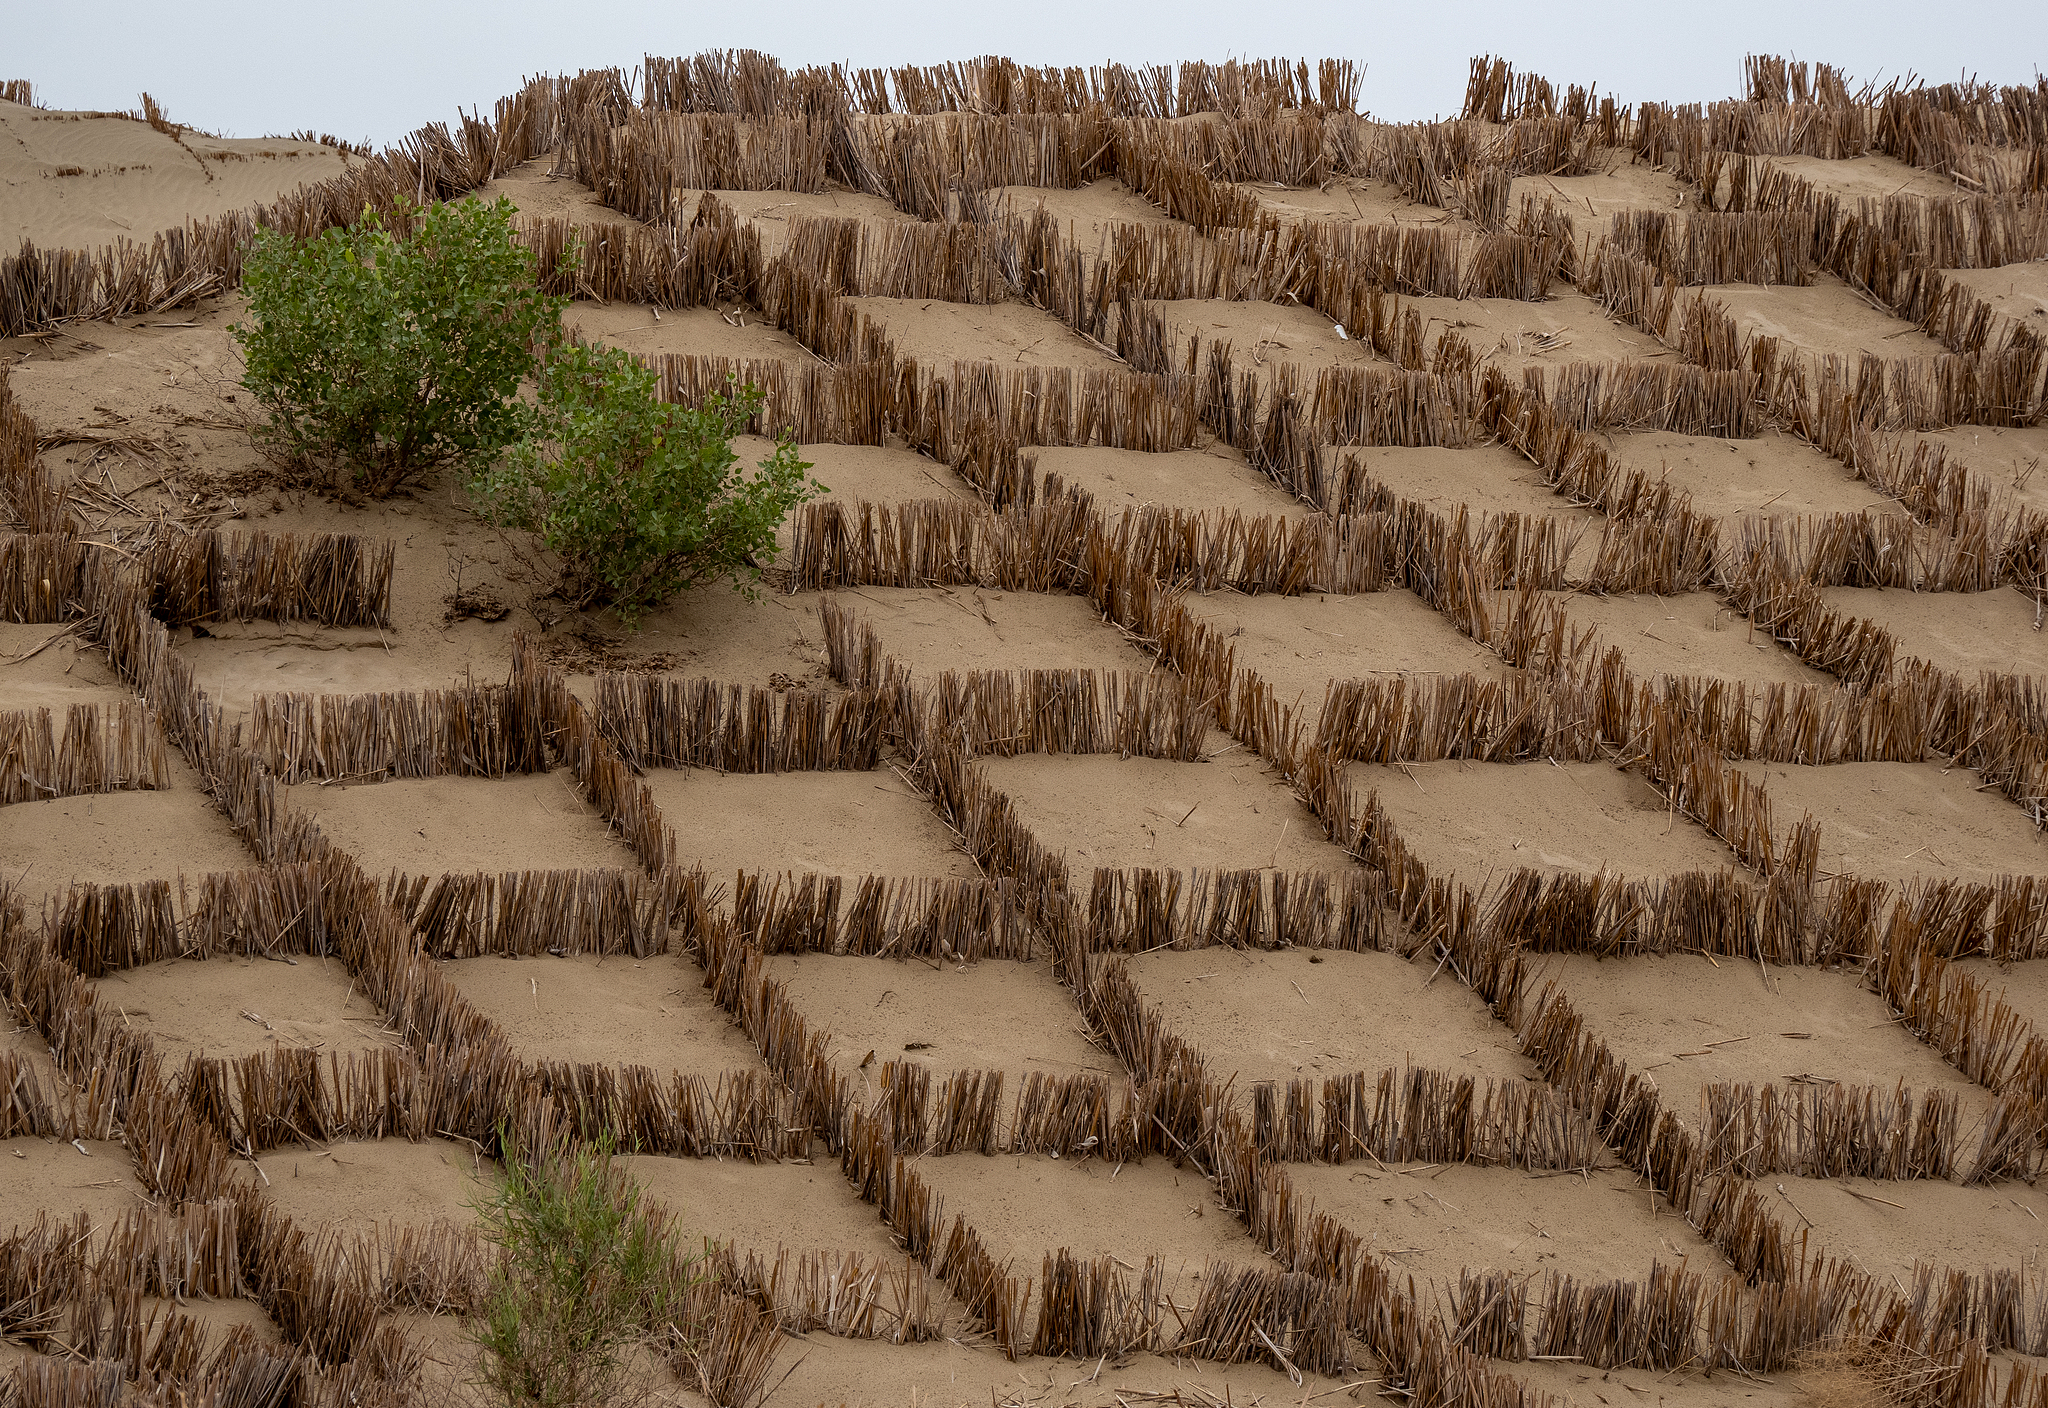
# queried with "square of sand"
point(1692, 634)
point(2007, 460)
point(1478, 820)
point(358, 1187)
point(1593, 201)
point(2003, 1227)
point(1772, 476)
point(876, 474)
point(441, 825)
point(997, 1014)
point(770, 212)
point(1285, 1015)
point(1108, 813)
point(1263, 336)
point(1434, 1221)
point(1215, 479)
point(710, 632)
point(49, 668)
point(702, 332)
point(50, 1176)
point(614, 1010)
point(1007, 334)
point(824, 823)
point(1825, 316)
point(1322, 636)
point(1904, 821)
point(236, 1007)
point(1301, 645)
point(1687, 1021)
point(117, 838)
point(1874, 174)
point(1026, 1206)
point(803, 1206)
point(1358, 200)
point(1505, 332)
point(932, 630)
point(1965, 632)
point(1482, 479)
point(1089, 214)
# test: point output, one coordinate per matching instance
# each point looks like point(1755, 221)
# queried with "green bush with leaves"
point(383, 355)
point(581, 1276)
point(640, 499)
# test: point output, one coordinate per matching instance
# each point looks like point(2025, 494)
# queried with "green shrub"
point(382, 357)
point(581, 1275)
point(640, 499)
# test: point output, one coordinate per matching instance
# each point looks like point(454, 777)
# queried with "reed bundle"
point(953, 263)
point(1140, 911)
point(470, 731)
point(1288, 1319)
point(102, 748)
point(962, 920)
point(742, 1114)
point(740, 81)
point(714, 258)
point(1830, 1131)
point(1415, 1115)
point(530, 912)
point(659, 721)
point(1000, 86)
point(946, 415)
point(986, 1287)
point(1007, 713)
point(39, 576)
point(336, 579)
point(842, 1293)
point(650, 165)
point(820, 319)
point(812, 403)
point(938, 542)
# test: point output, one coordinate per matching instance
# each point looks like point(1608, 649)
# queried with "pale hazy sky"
point(379, 68)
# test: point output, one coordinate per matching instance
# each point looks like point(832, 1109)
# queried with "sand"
point(879, 474)
point(1693, 634)
point(1301, 645)
point(1263, 337)
point(1904, 821)
point(1345, 201)
point(973, 628)
point(1432, 1222)
point(852, 823)
point(1825, 316)
point(1089, 215)
point(1215, 479)
point(615, 1010)
point(710, 632)
point(76, 180)
point(2021, 986)
point(1008, 334)
point(1772, 476)
point(1662, 1017)
point(359, 1187)
point(803, 1206)
point(432, 825)
point(113, 838)
point(236, 1007)
point(1102, 812)
point(49, 667)
point(1024, 1207)
point(1484, 820)
point(1876, 176)
point(731, 330)
point(1511, 334)
point(52, 1176)
point(1594, 200)
point(1295, 1015)
point(540, 196)
point(1966, 632)
point(937, 1016)
point(1996, 1228)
